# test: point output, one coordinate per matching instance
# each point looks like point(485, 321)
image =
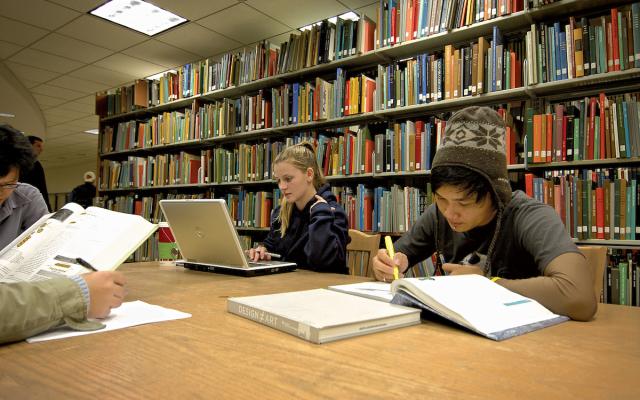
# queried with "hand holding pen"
point(383, 265)
point(261, 253)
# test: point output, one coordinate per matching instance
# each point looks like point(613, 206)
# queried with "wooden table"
point(217, 355)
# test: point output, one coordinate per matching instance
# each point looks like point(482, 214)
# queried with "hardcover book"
point(322, 315)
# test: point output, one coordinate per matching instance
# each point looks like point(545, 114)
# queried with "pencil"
point(389, 243)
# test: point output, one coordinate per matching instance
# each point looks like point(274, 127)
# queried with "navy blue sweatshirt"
point(316, 239)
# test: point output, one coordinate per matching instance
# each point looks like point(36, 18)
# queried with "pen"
point(274, 256)
point(389, 243)
point(85, 263)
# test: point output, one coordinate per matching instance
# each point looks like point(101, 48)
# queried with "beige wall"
point(16, 99)
point(64, 179)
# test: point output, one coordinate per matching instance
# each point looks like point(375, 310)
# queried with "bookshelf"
point(516, 27)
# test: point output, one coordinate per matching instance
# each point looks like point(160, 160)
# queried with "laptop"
point(208, 241)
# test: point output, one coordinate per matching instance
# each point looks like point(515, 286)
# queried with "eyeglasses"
point(9, 186)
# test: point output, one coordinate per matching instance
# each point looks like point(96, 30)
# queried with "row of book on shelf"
point(379, 209)
point(622, 278)
point(593, 204)
point(406, 146)
point(606, 42)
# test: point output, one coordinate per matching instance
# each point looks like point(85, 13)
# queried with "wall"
point(16, 99)
point(64, 179)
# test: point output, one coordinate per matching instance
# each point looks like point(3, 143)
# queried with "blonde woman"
point(309, 227)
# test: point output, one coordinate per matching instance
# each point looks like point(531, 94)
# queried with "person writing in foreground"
point(479, 226)
point(29, 308)
point(309, 227)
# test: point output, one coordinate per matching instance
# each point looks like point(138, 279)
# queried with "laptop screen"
point(204, 231)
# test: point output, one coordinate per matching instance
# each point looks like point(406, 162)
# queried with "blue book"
point(563, 56)
point(496, 41)
point(426, 139)
point(296, 101)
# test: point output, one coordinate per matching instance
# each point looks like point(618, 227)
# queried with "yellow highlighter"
point(389, 244)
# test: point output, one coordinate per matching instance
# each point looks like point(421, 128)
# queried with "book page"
point(475, 301)
point(21, 259)
point(102, 237)
point(373, 290)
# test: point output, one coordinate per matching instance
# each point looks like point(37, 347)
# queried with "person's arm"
point(29, 308)
point(35, 209)
point(327, 246)
point(564, 289)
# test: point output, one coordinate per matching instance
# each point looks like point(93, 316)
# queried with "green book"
point(623, 268)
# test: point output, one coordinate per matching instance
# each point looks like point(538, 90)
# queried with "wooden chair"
point(597, 260)
point(360, 252)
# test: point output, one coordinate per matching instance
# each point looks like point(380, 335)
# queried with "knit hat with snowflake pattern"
point(474, 138)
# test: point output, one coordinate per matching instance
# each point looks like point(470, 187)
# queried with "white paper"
point(373, 290)
point(128, 314)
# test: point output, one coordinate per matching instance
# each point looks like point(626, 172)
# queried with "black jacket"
point(316, 238)
point(35, 177)
point(83, 194)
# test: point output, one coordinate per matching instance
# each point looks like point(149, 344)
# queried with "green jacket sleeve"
point(29, 308)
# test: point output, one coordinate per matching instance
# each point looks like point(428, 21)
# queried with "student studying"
point(28, 308)
point(515, 240)
point(309, 227)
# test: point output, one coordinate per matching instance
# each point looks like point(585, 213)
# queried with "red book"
point(368, 212)
point(614, 40)
point(603, 127)
point(528, 184)
point(549, 147)
point(369, 148)
point(194, 166)
point(418, 157)
point(408, 29)
point(511, 146)
point(392, 39)
point(600, 213)
point(513, 77)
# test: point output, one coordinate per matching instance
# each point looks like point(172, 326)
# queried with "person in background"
point(84, 194)
point(309, 227)
point(479, 226)
point(29, 308)
point(35, 176)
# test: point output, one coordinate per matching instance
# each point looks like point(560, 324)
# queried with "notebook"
point(208, 241)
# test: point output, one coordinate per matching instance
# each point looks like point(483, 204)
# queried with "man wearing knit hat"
point(478, 226)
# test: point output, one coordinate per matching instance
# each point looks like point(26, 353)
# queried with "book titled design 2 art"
point(322, 315)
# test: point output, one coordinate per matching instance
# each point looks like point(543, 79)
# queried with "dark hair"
point(464, 178)
point(15, 150)
point(33, 139)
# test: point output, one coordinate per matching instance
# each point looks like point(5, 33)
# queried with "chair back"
point(597, 261)
point(360, 252)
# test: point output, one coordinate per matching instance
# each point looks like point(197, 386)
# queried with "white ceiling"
point(62, 55)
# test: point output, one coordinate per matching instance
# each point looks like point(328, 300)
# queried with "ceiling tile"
point(130, 65)
point(79, 5)
point(29, 83)
point(55, 91)
point(102, 33)
point(8, 49)
point(69, 115)
point(71, 48)
point(298, 13)
point(91, 99)
point(243, 24)
point(197, 39)
point(19, 33)
point(101, 75)
point(87, 109)
point(355, 4)
point(30, 73)
point(47, 101)
point(46, 61)
point(60, 130)
point(161, 53)
point(37, 12)
point(194, 9)
point(53, 119)
point(80, 85)
point(368, 10)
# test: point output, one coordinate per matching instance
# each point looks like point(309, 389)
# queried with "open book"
point(476, 303)
point(72, 240)
point(322, 315)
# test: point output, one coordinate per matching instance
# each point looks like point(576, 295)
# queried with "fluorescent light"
point(8, 115)
point(138, 15)
point(92, 131)
point(161, 74)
